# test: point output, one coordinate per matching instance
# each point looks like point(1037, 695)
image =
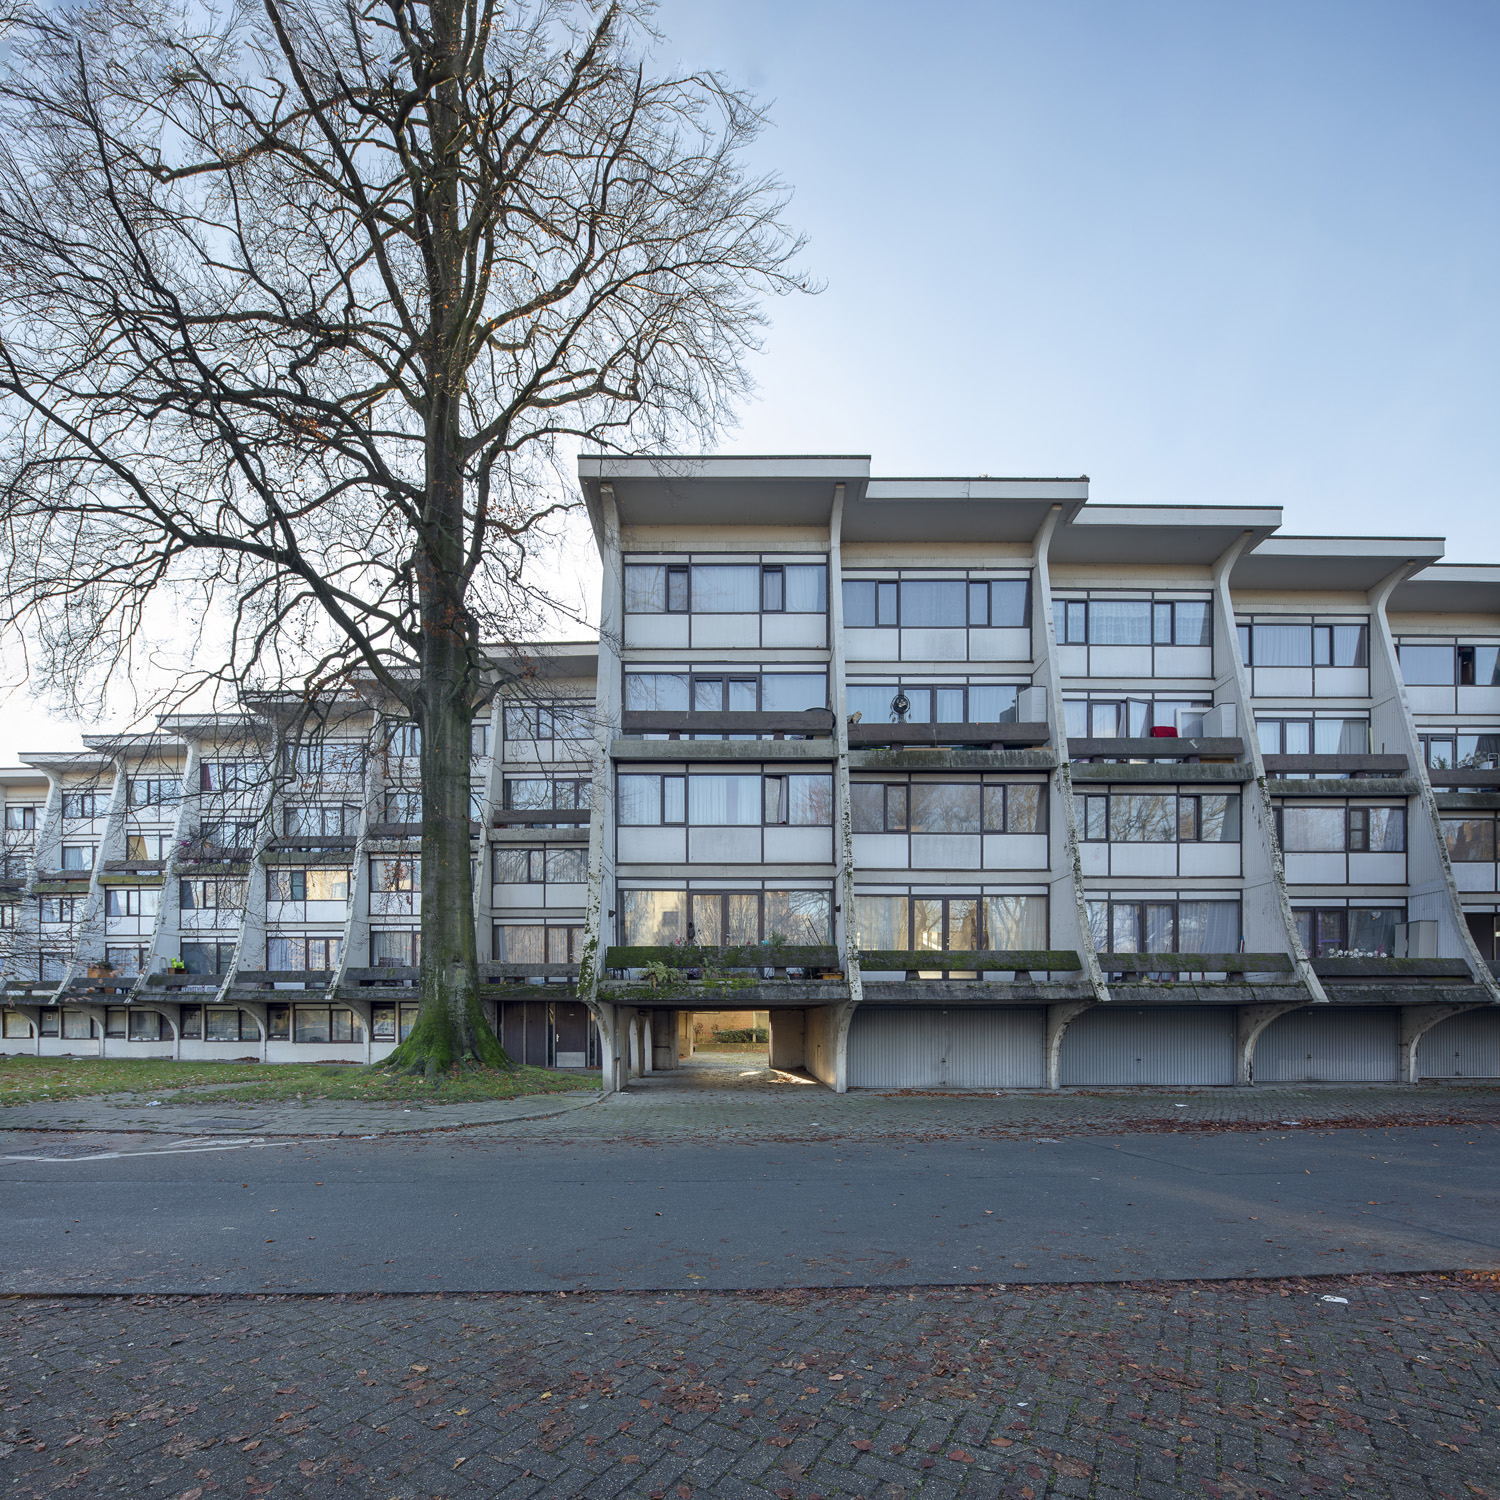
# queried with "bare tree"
point(300, 304)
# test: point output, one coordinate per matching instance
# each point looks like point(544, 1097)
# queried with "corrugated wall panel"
point(995, 1049)
point(1172, 1044)
point(1466, 1046)
point(896, 1048)
point(1324, 1045)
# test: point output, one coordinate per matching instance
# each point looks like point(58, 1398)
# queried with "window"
point(540, 866)
point(83, 804)
point(299, 954)
point(147, 846)
point(1313, 736)
point(207, 958)
point(726, 918)
point(560, 720)
point(321, 883)
point(321, 1023)
point(239, 834)
point(726, 588)
point(8, 911)
point(14, 1025)
point(537, 943)
point(1326, 931)
point(403, 807)
point(403, 740)
point(940, 703)
point(151, 791)
point(190, 1022)
point(950, 923)
point(729, 799)
point(481, 734)
point(20, 818)
point(395, 947)
point(227, 775)
point(78, 1026)
point(1159, 817)
point(78, 856)
point(1131, 718)
point(1164, 926)
point(799, 800)
point(937, 603)
point(59, 910)
point(1132, 622)
point(383, 1022)
point(1304, 644)
point(724, 800)
point(548, 793)
point(145, 1026)
point(320, 820)
point(398, 875)
point(128, 962)
point(324, 757)
point(213, 894)
point(220, 1025)
point(1323, 830)
point(1457, 751)
point(1471, 840)
point(131, 901)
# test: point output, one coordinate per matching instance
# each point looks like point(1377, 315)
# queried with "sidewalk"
point(752, 1105)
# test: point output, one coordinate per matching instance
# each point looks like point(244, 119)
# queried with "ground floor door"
point(957, 1047)
point(1185, 1044)
point(1464, 1046)
point(1328, 1045)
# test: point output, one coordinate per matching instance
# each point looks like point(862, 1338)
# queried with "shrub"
point(744, 1034)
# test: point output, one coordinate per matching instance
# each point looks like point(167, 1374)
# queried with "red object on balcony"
point(1163, 732)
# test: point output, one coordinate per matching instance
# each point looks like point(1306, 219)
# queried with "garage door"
point(1466, 1046)
point(1193, 1044)
point(1320, 1045)
point(912, 1048)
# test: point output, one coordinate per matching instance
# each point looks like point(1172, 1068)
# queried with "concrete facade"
point(968, 783)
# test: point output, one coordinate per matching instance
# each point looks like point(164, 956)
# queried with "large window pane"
point(790, 692)
point(741, 918)
point(927, 923)
point(645, 588)
point(1428, 666)
point(994, 703)
point(652, 918)
point(1010, 603)
point(1208, 926)
point(859, 603)
point(1350, 646)
point(810, 800)
point(1119, 622)
point(1387, 827)
point(640, 801)
point(926, 602)
point(1373, 929)
point(1281, 645)
point(524, 945)
point(803, 918)
point(867, 806)
point(732, 588)
point(1312, 830)
point(945, 809)
point(724, 800)
point(1470, 840)
point(1220, 818)
point(963, 926)
point(1192, 623)
point(1015, 922)
point(806, 588)
point(1341, 736)
point(1142, 817)
point(656, 692)
point(880, 921)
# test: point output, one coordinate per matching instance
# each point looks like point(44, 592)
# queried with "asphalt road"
point(477, 1213)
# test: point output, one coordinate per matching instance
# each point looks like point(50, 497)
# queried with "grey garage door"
point(913, 1048)
point(1324, 1045)
point(1466, 1046)
point(1187, 1044)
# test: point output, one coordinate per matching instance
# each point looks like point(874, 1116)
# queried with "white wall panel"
point(651, 846)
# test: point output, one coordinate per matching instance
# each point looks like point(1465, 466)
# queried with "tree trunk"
point(451, 1029)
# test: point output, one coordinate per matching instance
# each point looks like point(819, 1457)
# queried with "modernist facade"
point(969, 783)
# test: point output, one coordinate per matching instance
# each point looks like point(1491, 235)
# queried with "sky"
point(1204, 252)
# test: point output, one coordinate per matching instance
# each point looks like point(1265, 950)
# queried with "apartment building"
point(967, 783)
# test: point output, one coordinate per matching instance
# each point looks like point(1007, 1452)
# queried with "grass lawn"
point(34, 1080)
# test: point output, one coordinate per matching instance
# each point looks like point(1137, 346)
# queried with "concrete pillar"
point(664, 1033)
point(647, 1042)
point(1416, 1022)
point(613, 1059)
point(1059, 1018)
point(1249, 1022)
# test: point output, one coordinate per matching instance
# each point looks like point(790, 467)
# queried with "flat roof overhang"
point(705, 490)
point(1325, 564)
point(1451, 588)
point(979, 509)
point(1183, 534)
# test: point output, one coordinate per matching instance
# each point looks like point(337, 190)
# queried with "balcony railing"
point(807, 723)
point(1166, 747)
point(977, 960)
point(1350, 765)
point(984, 736)
point(1376, 967)
point(778, 958)
point(1195, 963)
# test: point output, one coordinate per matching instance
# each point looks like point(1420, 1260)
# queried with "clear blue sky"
point(1201, 251)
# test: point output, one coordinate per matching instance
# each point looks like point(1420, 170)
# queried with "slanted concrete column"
point(1059, 1018)
point(33, 1013)
point(645, 1042)
point(1249, 1022)
point(96, 1014)
point(258, 1013)
point(613, 1057)
point(1416, 1022)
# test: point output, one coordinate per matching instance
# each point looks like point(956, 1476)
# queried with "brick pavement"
point(749, 1104)
point(1234, 1391)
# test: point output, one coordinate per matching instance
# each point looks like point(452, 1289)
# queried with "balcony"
point(973, 964)
point(174, 983)
point(1007, 736)
point(805, 734)
point(1391, 969)
point(1158, 747)
point(1461, 779)
point(310, 843)
point(515, 817)
point(497, 981)
point(260, 984)
point(755, 976)
point(1342, 765)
